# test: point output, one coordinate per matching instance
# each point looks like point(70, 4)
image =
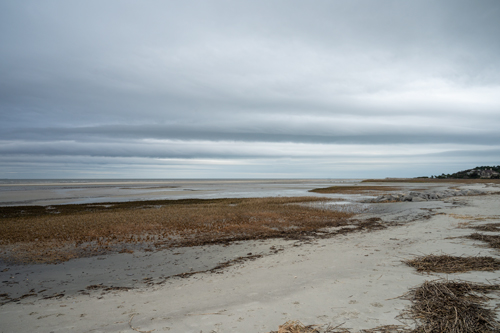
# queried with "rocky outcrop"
point(425, 196)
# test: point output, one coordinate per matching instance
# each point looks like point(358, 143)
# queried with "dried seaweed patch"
point(492, 240)
point(493, 227)
point(295, 326)
point(450, 264)
point(451, 306)
point(437, 307)
point(387, 329)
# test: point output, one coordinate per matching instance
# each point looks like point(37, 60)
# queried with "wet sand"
point(353, 280)
point(55, 193)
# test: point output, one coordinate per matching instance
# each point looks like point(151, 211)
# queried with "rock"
point(420, 196)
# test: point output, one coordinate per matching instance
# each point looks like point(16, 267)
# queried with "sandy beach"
point(349, 280)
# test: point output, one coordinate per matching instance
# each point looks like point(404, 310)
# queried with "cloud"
point(229, 81)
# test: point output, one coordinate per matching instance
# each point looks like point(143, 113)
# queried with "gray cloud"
point(212, 79)
point(272, 132)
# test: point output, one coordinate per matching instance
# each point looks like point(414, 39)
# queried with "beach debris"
point(439, 306)
point(452, 307)
point(95, 287)
point(492, 240)
point(56, 296)
point(492, 227)
point(295, 326)
point(105, 288)
point(451, 264)
point(386, 329)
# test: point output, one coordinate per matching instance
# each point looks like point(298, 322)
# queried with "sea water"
point(76, 191)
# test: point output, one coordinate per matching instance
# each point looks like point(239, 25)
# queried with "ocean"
point(15, 192)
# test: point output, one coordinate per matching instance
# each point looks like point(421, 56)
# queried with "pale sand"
point(353, 279)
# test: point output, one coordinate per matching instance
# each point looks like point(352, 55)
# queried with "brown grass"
point(354, 189)
point(450, 264)
point(430, 180)
point(493, 241)
point(31, 234)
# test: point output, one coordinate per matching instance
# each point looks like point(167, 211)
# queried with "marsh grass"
point(354, 189)
point(38, 234)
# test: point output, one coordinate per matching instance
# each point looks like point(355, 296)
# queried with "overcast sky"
point(248, 89)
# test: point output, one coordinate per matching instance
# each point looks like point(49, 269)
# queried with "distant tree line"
point(492, 172)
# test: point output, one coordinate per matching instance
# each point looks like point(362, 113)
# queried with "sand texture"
point(352, 280)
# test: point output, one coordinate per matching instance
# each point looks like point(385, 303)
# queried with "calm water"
point(70, 191)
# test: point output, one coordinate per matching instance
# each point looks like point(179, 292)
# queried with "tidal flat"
point(250, 264)
point(78, 191)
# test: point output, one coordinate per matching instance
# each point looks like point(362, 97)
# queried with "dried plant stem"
point(450, 264)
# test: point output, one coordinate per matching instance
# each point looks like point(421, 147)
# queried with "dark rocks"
point(424, 196)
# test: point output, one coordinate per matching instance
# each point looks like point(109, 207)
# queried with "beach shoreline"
point(352, 279)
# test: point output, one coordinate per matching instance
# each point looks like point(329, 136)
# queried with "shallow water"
point(78, 191)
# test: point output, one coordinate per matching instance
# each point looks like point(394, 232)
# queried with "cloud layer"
point(248, 89)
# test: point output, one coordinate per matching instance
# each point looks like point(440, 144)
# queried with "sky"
point(248, 89)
